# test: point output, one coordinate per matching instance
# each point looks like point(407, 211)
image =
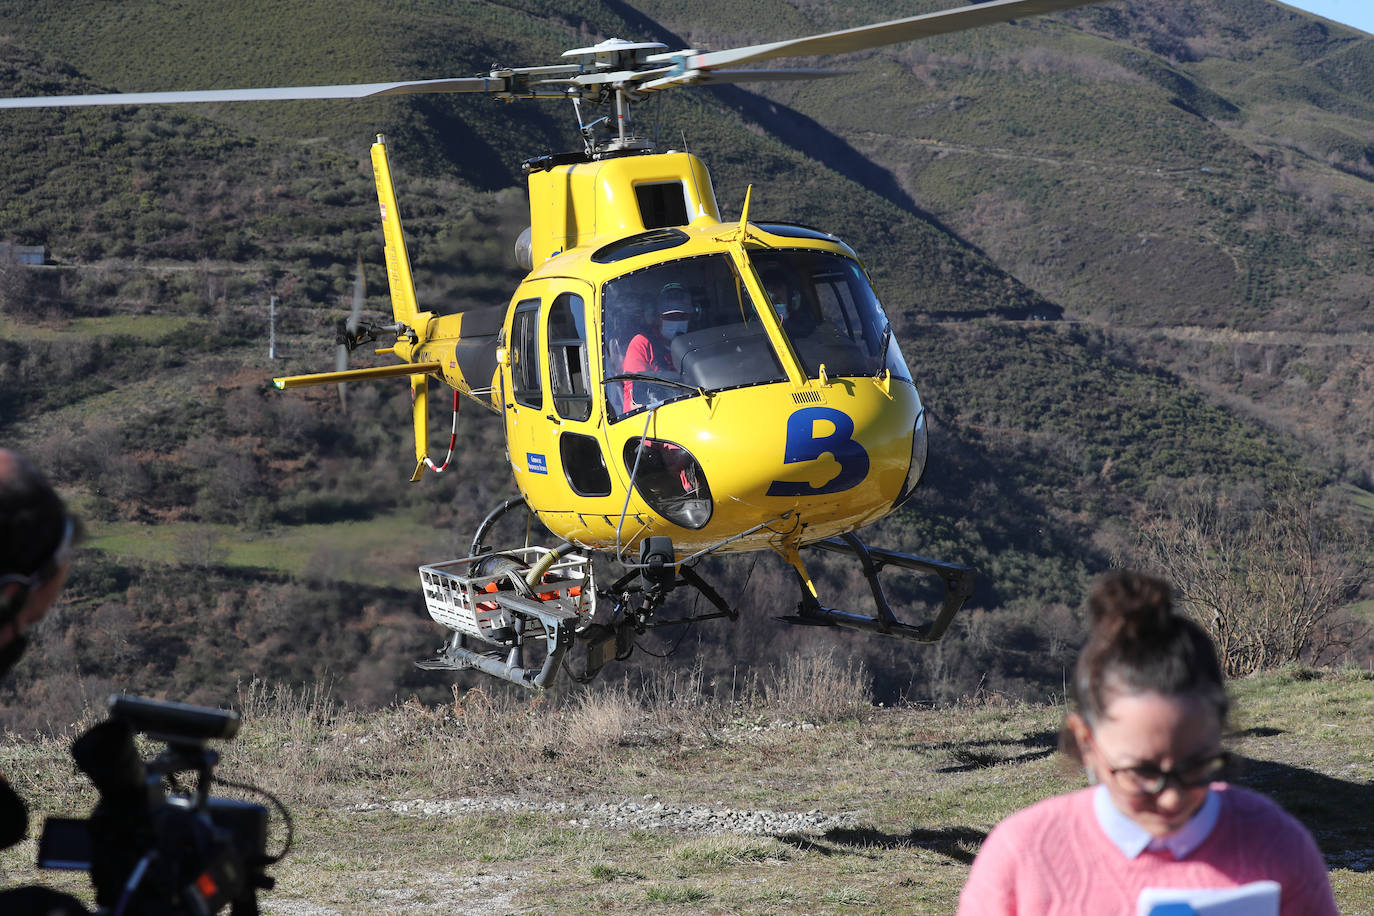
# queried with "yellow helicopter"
point(672, 385)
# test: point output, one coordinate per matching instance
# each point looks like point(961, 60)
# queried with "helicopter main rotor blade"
point(871, 36)
point(697, 77)
point(493, 85)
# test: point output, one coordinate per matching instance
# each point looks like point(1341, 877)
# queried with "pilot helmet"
point(674, 309)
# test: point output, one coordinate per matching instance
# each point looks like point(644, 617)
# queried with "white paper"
point(1259, 898)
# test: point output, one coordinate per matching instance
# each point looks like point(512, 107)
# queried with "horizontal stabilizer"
point(356, 375)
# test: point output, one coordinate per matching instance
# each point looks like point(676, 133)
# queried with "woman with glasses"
point(1157, 832)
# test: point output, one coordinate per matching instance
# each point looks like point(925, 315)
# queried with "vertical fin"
point(403, 305)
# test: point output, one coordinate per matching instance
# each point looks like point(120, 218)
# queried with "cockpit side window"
point(568, 370)
point(680, 327)
point(524, 355)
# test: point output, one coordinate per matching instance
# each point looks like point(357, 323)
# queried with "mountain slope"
point(1143, 164)
point(136, 368)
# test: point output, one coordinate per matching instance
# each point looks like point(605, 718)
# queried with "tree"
point(1267, 576)
point(17, 289)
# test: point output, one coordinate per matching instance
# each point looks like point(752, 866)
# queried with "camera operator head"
point(36, 537)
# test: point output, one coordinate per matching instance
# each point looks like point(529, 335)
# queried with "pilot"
point(650, 351)
point(787, 303)
point(779, 293)
point(36, 539)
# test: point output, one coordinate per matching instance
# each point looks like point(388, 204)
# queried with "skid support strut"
point(958, 581)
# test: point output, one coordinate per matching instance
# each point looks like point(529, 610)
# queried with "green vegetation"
point(294, 551)
point(143, 327)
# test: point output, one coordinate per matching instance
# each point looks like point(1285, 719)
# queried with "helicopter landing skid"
point(958, 581)
point(507, 663)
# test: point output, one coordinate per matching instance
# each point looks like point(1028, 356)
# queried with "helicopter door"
point(553, 417)
point(526, 429)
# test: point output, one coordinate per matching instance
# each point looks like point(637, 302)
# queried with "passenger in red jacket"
point(650, 351)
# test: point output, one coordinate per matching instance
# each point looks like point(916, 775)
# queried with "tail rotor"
point(348, 332)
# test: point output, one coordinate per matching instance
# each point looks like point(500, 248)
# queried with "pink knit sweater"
point(1053, 859)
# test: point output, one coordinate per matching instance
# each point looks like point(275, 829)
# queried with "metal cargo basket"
point(461, 600)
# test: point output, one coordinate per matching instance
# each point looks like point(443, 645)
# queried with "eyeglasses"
point(1147, 779)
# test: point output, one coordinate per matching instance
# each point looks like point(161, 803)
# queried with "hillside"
point(1144, 165)
point(238, 532)
point(1140, 164)
point(792, 794)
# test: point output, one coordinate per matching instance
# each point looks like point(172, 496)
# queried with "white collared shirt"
point(1132, 839)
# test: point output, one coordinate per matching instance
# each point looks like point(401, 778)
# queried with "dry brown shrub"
point(498, 733)
point(816, 688)
point(600, 719)
point(289, 739)
point(680, 701)
point(1267, 577)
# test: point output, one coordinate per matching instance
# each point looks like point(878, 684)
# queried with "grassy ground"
point(143, 327)
point(354, 546)
point(489, 806)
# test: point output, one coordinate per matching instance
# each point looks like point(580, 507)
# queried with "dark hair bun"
point(1140, 644)
point(32, 516)
point(1132, 606)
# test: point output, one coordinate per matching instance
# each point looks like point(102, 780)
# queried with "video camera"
point(151, 852)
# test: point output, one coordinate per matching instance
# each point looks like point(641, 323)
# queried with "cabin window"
point(829, 312)
point(661, 204)
point(568, 370)
point(675, 329)
point(641, 243)
point(524, 355)
point(584, 465)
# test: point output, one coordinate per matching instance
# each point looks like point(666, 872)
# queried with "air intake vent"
point(806, 397)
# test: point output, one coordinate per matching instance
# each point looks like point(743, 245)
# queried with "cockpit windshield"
point(829, 312)
point(678, 327)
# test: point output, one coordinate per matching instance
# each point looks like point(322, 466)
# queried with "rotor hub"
point(615, 54)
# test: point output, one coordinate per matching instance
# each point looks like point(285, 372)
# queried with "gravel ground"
point(494, 894)
point(648, 814)
point(478, 895)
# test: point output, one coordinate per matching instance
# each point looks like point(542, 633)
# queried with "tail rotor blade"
point(350, 329)
point(359, 294)
point(340, 364)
